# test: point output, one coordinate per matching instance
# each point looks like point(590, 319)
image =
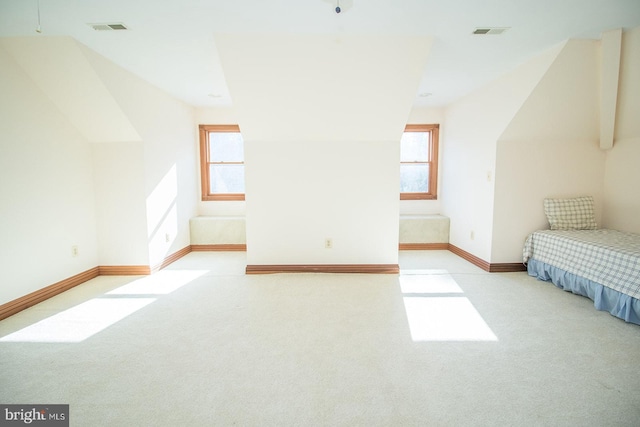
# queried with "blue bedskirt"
point(604, 299)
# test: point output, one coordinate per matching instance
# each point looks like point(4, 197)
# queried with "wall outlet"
point(74, 251)
point(472, 235)
point(167, 237)
point(328, 243)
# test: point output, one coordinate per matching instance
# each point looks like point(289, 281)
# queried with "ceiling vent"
point(113, 26)
point(490, 30)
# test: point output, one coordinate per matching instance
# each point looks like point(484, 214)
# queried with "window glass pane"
point(226, 179)
point(226, 147)
point(414, 146)
point(414, 178)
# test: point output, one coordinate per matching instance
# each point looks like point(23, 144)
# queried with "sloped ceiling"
point(171, 43)
point(58, 67)
point(322, 87)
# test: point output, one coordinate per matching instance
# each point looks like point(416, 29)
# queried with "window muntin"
point(419, 162)
point(221, 162)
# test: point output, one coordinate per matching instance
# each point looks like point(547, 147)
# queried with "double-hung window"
point(419, 162)
point(221, 162)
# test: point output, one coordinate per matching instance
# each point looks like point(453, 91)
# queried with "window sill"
point(222, 197)
point(418, 196)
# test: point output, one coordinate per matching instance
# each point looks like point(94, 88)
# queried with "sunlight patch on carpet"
point(79, 322)
point(84, 320)
point(429, 284)
point(437, 310)
point(161, 283)
point(445, 319)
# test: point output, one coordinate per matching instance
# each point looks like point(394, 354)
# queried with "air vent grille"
point(112, 26)
point(490, 30)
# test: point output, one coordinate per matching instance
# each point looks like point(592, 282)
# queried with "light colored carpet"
point(443, 344)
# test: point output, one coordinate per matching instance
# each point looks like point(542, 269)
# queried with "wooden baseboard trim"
point(470, 257)
point(12, 307)
point(324, 268)
point(172, 258)
point(125, 270)
point(423, 246)
point(221, 247)
point(507, 267)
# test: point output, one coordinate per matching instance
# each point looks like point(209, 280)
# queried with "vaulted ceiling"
point(172, 43)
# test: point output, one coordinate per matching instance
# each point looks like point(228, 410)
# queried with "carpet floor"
point(442, 344)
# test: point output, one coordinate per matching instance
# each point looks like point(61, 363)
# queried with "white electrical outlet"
point(167, 237)
point(74, 251)
point(328, 243)
point(472, 235)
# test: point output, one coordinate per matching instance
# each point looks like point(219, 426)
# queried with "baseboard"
point(220, 247)
point(486, 266)
point(423, 246)
point(12, 307)
point(507, 267)
point(124, 270)
point(19, 304)
point(478, 262)
point(141, 270)
point(324, 268)
point(172, 258)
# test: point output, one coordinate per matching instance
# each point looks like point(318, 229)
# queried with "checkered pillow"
point(570, 214)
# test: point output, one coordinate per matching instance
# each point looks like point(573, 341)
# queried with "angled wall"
point(46, 188)
point(550, 149)
point(470, 138)
point(622, 174)
point(57, 66)
point(92, 157)
point(163, 179)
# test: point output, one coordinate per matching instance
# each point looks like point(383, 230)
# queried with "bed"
point(577, 256)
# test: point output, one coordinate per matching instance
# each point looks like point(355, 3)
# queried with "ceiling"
point(172, 45)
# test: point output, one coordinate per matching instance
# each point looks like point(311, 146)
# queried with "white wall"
point(120, 195)
point(298, 194)
point(550, 149)
point(117, 194)
point(472, 128)
point(322, 146)
point(46, 189)
point(622, 174)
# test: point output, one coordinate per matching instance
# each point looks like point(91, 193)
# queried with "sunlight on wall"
point(90, 317)
point(437, 310)
point(162, 216)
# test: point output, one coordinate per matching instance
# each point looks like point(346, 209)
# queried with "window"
point(221, 162)
point(419, 162)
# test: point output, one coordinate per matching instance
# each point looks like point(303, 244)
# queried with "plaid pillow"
point(570, 214)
